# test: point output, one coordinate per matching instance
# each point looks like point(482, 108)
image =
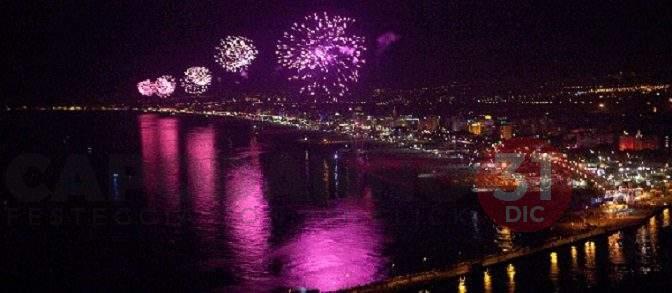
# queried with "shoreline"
point(438, 274)
point(468, 267)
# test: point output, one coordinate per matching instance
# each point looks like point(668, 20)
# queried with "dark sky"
point(71, 50)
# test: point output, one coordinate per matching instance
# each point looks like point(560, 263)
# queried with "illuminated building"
point(408, 121)
point(637, 142)
point(475, 128)
point(506, 131)
point(588, 138)
point(430, 123)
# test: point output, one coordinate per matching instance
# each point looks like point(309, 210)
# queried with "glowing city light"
point(235, 53)
point(322, 54)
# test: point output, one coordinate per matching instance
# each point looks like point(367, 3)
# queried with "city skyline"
point(337, 146)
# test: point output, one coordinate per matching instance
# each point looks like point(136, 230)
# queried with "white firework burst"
point(235, 53)
point(196, 80)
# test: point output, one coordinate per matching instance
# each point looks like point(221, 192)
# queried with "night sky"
point(74, 50)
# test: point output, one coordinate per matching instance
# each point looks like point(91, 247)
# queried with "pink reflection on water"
point(337, 249)
point(202, 174)
point(170, 160)
point(159, 139)
point(247, 216)
point(149, 139)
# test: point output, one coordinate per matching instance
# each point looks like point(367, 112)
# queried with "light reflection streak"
point(487, 282)
point(202, 174)
point(616, 257)
point(149, 141)
point(247, 216)
point(337, 248)
point(306, 173)
point(554, 274)
point(159, 138)
point(590, 264)
point(336, 177)
point(170, 161)
point(646, 241)
point(511, 274)
point(326, 178)
point(575, 259)
point(574, 263)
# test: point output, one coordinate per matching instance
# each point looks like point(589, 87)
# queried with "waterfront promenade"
point(467, 267)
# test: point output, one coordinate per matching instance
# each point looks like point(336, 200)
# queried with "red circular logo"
point(522, 184)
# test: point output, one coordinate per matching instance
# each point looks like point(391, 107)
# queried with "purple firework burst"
point(322, 54)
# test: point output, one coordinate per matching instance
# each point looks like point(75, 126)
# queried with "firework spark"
point(146, 88)
point(198, 75)
point(196, 80)
point(235, 53)
point(323, 55)
point(165, 86)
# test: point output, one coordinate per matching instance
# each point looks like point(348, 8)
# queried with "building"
point(505, 131)
point(637, 142)
point(430, 123)
point(588, 138)
point(475, 128)
point(458, 123)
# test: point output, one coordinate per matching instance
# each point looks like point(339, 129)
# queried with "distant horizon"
point(59, 50)
point(487, 87)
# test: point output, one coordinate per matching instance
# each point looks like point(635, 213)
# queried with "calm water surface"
point(233, 206)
